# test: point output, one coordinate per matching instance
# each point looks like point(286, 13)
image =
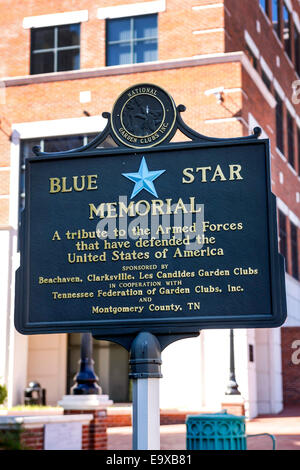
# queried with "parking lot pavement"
point(284, 426)
point(171, 437)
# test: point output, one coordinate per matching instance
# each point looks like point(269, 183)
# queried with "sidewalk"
point(284, 426)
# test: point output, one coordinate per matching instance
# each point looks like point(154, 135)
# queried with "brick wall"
point(20, 431)
point(285, 179)
point(271, 49)
point(263, 35)
point(166, 417)
point(177, 38)
point(94, 435)
point(119, 420)
point(290, 342)
point(33, 438)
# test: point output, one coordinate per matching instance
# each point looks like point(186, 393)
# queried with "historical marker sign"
point(166, 239)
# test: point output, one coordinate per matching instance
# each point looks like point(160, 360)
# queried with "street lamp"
point(86, 379)
point(232, 387)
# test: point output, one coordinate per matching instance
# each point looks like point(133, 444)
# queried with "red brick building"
point(234, 65)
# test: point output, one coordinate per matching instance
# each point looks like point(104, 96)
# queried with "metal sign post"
point(146, 414)
point(145, 364)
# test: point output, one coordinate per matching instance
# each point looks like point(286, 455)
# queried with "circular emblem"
point(143, 116)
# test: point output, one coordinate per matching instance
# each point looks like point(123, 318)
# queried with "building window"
point(290, 130)
point(251, 56)
point(55, 49)
point(265, 5)
point(251, 353)
point(283, 238)
point(279, 123)
point(49, 144)
point(276, 17)
point(287, 30)
point(131, 40)
point(298, 139)
point(297, 50)
point(294, 248)
point(266, 79)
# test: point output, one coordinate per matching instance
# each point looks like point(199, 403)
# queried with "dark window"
point(25, 152)
point(251, 353)
point(265, 5)
point(297, 50)
point(57, 144)
point(262, 4)
point(55, 49)
point(266, 79)
point(294, 247)
point(131, 40)
point(49, 144)
point(251, 56)
point(298, 138)
point(279, 123)
point(287, 30)
point(283, 238)
point(290, 129)
point(276, 18)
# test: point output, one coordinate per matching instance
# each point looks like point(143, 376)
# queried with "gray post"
point(145, 361)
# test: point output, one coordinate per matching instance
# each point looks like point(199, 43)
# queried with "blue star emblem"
point(143, 179)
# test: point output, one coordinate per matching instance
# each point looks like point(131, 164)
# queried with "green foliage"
point(3, 394)
point(11, 440)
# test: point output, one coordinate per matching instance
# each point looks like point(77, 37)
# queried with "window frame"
point(277, 28)
point(287, 43)
point(265, 7)
point(254, 61)
point(279, 123)
point(298, 142)
point(132, 41)
point(40, 141)
point(283, 238)
point(297, 49)
point(55, 49)
point(266, 79)
point(294, 250)
point(290, 138)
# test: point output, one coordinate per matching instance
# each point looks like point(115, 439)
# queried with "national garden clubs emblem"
point(143, 116)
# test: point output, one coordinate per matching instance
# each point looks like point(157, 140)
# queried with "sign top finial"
point(143, 116)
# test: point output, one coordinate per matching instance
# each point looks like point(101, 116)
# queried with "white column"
point(269, 378)
point(4, 306)
point(276, 393)
point(251, 403)
point(14, 346)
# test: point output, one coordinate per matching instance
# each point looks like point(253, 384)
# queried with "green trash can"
point(216, 431)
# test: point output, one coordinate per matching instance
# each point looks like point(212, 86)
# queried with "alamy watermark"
point(154, 220)
point(296, 354)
